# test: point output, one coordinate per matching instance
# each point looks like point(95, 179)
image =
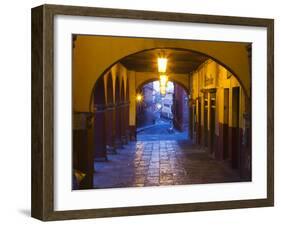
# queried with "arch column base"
point(132, 133)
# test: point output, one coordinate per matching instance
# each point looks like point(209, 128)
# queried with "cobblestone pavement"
point(154, 163)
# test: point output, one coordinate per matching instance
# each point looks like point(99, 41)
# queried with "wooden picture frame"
point(43, 112)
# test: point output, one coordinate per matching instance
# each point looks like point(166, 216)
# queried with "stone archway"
point(96, 49)
point(97, 68)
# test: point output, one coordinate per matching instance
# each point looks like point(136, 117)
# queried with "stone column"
point(110, 129)
point(99, 133)
point(191, 121)
point(127, 109)
point(198, 121)
point(123, 123)
point(118, 140)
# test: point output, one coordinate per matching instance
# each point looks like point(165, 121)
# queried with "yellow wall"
point(212, 75)
point(93, 55)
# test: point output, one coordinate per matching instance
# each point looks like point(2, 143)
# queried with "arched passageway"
point(209, 101)
point(162, 117)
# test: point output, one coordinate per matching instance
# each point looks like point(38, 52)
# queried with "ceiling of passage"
point(179, 61)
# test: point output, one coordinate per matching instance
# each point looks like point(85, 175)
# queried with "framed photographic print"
point(141, 112)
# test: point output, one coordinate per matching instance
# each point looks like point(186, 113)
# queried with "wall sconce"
point(139, 97)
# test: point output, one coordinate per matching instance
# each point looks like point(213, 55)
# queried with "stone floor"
point(161, 162)
point(162, 130)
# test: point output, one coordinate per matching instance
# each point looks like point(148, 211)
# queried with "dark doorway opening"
point(226, 154)
point(212, 140)
point(206, 107)
point(235, 133)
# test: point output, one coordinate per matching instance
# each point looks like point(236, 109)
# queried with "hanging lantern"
point(162, 64)
point(163, 80)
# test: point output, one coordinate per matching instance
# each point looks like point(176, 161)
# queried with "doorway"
point(206, 119)
point(235, 127)
point(225, 125)
point(212, 121)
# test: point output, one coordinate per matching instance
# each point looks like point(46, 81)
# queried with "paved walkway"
point(154, 163)
point(160, 131)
